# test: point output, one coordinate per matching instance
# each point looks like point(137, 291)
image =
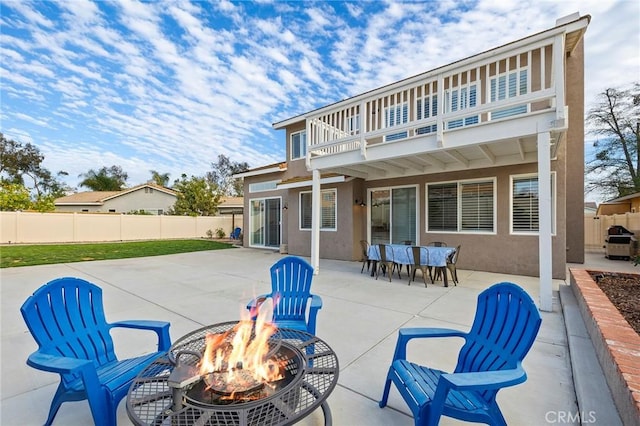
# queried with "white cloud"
point(170, 85)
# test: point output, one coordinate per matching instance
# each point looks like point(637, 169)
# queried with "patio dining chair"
point(66, 318)
point(503, 330)
point(364, 244)
point(386, 262)
point(437, 244)
point(417, 254)
point(291, 279)
point(452, 259)
point(451, 264)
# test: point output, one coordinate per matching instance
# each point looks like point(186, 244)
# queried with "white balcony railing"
point(498, 85)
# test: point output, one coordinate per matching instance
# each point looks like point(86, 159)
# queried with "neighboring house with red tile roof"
point(151, 198)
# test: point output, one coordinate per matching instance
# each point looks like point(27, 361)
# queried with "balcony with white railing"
point(472, 112)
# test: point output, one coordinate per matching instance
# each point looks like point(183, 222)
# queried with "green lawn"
point(29, 255)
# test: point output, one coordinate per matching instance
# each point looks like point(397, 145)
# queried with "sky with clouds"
point(170, 85)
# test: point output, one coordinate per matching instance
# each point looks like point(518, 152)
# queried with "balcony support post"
point(315, 221)
point(441, 112)
point(310, 139)
point(558, 83)
point(363, 129)
point(545, 249)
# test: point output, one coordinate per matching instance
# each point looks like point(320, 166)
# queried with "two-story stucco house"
point(148, 197)
point(486, 152)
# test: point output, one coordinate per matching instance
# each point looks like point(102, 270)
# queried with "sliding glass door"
point(393, 215)
point(265, 222)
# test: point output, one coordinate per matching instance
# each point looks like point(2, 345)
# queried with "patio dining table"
point(436, 258)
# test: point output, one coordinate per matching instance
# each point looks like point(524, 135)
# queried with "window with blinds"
point(427, 107)
point(461, 206)
point(507, 86)
point(525, 204)
point(476, 206)
point(442, 205)
point(328, 210)
point(459, 99)
point(396, 115)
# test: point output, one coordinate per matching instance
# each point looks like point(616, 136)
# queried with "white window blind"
point(442, 207)
point(396, 115)
point(427, 107)
point(525, 204)
point(473, 200)
point(476, 204)
point(328, 210)
point(525, 216)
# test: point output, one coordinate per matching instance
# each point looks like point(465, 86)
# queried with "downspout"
point(315, 221)
point(545, 254)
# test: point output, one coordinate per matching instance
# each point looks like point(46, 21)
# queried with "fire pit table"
point(172, 391)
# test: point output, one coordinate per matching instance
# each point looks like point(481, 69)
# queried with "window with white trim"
point(506, 86)
point(328, 210)
point(466, 206)
point(396, 115)
point(525, 194)
point(264, 186)
point(353, 124)
point(459, 99)
point(427, 107)
point(298, 145)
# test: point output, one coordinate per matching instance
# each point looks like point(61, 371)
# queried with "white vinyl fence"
point(595, 228)
point(31, 227)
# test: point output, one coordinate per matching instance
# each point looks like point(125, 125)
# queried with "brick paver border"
point(617, 344)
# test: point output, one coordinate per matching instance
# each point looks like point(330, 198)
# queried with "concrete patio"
point(359, 320)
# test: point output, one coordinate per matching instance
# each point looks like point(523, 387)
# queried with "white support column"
point(315, 221)
point(363, 128)
point(557, 78)
point(544, 214)
point(441, 112)
point(310, 139)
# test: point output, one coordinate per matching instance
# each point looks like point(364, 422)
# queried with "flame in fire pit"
point(238, 360)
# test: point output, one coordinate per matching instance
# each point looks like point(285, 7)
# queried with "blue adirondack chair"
point(505, 326)
point(66, 318)
point(291, 289)
point(235, 235)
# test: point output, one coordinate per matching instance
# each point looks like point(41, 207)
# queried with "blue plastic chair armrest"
point(160, 327)
point(406, 334)
point(316, 304)
point(484, 380)
point(253, 304)
point(57, 364)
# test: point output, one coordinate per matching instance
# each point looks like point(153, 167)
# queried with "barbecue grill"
point(171, 392)
point(620, 242)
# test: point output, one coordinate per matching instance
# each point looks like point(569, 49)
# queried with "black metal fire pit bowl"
point(171, 392)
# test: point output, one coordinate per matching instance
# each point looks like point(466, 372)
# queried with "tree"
point(14, 197)
point(615, 165)
point(161, 179)
point(196, 197)
point(22, 164)
point(105, 179)
point(222, 173)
